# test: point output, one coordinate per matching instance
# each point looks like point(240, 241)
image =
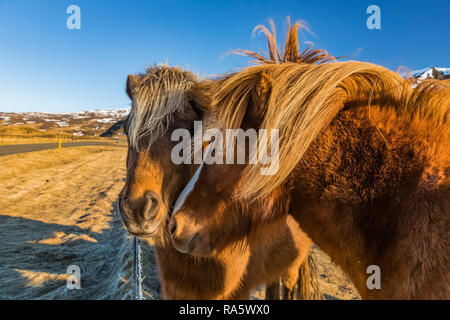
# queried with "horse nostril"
point(150, 195)
point(173, 229)
point(152, 205)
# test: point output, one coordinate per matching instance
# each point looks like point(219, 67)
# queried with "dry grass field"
point(28, 139)
point(13, 140)
point(57, 208)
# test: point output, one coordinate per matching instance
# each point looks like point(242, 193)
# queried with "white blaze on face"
point(191, 184)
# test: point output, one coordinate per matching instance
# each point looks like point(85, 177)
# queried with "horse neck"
point(181, 273)
point(351, 188)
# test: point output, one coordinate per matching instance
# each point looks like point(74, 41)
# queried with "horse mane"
point(291, 51)
point(429, 99)
point(157, 95)
point(305, 98)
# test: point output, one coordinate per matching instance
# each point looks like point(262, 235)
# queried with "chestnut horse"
point(364, 167)
point(165, 99)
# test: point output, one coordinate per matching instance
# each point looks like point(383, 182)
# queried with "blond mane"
point(157, 95)
point(304, 99)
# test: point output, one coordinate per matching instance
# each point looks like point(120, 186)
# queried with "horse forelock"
point(160, 93)
point(306, 98)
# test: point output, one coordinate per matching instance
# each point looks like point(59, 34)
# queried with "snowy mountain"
point(432, 72)
point(85, 123)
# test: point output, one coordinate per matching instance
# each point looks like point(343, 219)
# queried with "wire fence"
point(137, 263)
point(137, 270)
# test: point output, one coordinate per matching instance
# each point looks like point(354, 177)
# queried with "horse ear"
point(262, 92)
point(132, 81)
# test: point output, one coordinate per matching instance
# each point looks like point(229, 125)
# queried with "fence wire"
point(137, 269)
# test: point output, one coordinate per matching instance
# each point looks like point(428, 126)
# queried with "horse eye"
point(196, 108)
point(125, 126)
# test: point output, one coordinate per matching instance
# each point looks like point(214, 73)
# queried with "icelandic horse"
point(364, 167)
point(165, 99)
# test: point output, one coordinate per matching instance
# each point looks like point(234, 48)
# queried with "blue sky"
point(46, 67)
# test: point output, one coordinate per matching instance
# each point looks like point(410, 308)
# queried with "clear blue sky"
point(46, 67)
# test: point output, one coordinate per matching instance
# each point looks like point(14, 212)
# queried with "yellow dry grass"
point(57, 209)
point(10, 140)
point(19, 164)
point(13, 140)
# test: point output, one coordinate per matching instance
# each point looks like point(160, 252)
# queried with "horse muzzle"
point(141, 217)
point(187, 237)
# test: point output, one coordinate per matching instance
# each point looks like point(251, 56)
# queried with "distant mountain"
point(432, 72)
point(86, 123)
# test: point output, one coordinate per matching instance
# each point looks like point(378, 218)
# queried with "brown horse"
point(165, 99)
point(364, 167)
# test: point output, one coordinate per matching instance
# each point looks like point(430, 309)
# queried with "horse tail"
point(308, 281)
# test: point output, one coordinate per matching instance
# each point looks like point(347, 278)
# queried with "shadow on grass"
point(33, 270)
